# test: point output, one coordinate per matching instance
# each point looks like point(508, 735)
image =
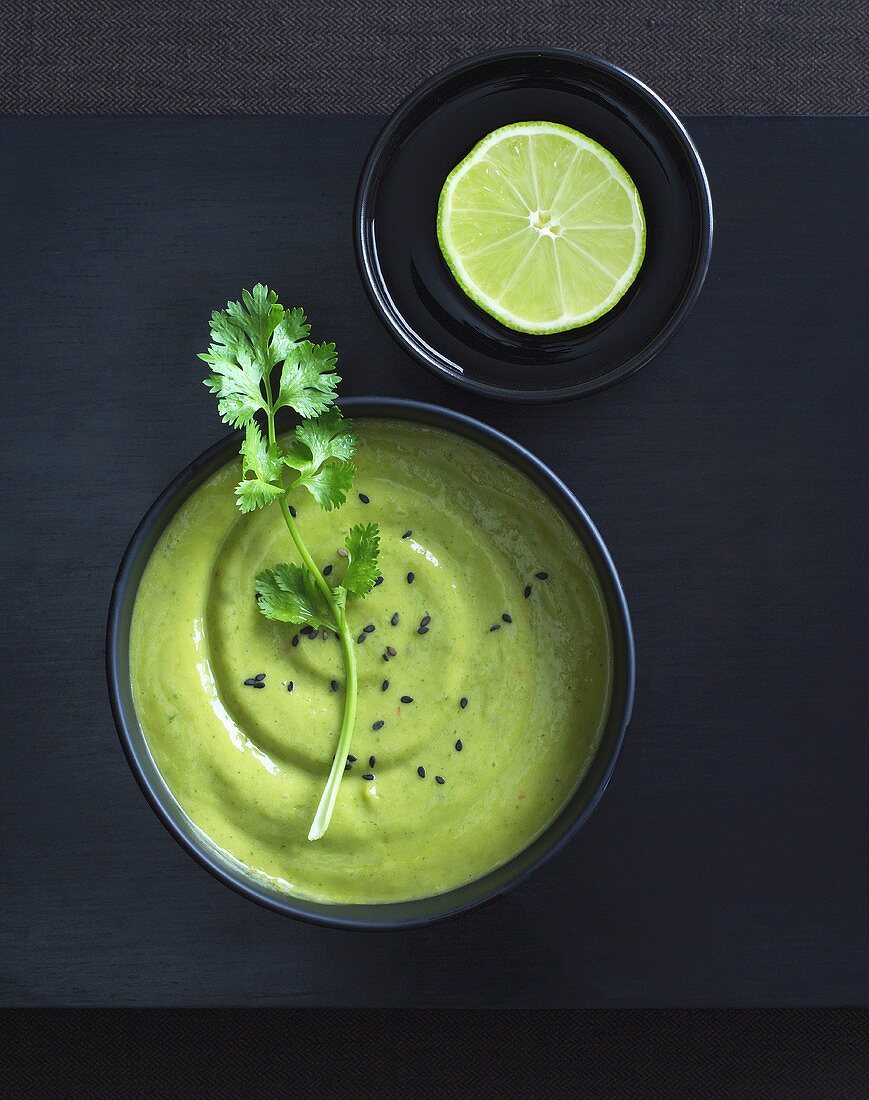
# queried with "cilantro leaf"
point(248, 338)
point(326, 436)
point(289, 594)
point(257, 316)
point(330, 484)
point(260, 457)
point(239, 353)
point(363, 551)
point(235, 381)
point(253, 493)
point(265, 462)
point(308, 379)
point(321, 450)
point(292, 330)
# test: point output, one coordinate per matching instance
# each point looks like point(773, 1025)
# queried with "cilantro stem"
point(305, 555)
point(270, 412)
point(330, 792)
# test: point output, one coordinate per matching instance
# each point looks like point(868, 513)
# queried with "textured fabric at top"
point(335, 56)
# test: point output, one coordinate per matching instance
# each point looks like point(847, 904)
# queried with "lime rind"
point(584, 275)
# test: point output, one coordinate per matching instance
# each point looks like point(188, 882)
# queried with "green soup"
point(248, 765)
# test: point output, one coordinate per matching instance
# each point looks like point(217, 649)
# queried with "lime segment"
point(541, 227)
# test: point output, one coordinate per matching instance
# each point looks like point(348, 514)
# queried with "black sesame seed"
point(392, 651)
point(295, 639)
point(259, 676)
point(258, 596)
point(364, 498)
point(497, 626)
point(370, 628)
point(426, 619)
point(542, 576)
point(440, 779)
point(384, 685)
point(386, 656)
point(407, 698)
point(527, 591)
point(361, 639)
point(459, 745)
point(306, 630)
point(420, 771)
point(372, 760)
point(258, 684)
point(394, 619)
point(250, 682)
point(407, 534)
point(327, 569)
point(290, 686)
point(378, 725)
point(410, 578)
point(422, 630)
point(334, 685)
point(293, 512)
point(378, 581)
point(351, 759)
point(463, 702)
point(347, 767)
point(507, 618)
point(368, 776)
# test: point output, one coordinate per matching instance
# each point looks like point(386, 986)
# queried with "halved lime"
point(541, 227)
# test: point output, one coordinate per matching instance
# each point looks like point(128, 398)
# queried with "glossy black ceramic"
point(410, 285)
point(399, 914)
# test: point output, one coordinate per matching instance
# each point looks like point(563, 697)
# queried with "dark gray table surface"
point(726, 864)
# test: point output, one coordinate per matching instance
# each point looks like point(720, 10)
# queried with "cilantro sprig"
point(262, 361)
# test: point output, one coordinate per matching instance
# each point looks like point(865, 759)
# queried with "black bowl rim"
point(376, 164)
point(116, 637)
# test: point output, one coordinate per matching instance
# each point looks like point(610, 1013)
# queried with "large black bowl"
point(397, 914)
point(395, 223)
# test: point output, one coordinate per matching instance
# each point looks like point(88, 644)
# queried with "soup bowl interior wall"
point(392, 914)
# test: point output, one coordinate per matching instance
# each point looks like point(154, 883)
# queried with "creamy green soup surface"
point(248, 765)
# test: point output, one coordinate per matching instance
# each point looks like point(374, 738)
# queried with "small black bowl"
point(396, 914)
point(395, 223)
